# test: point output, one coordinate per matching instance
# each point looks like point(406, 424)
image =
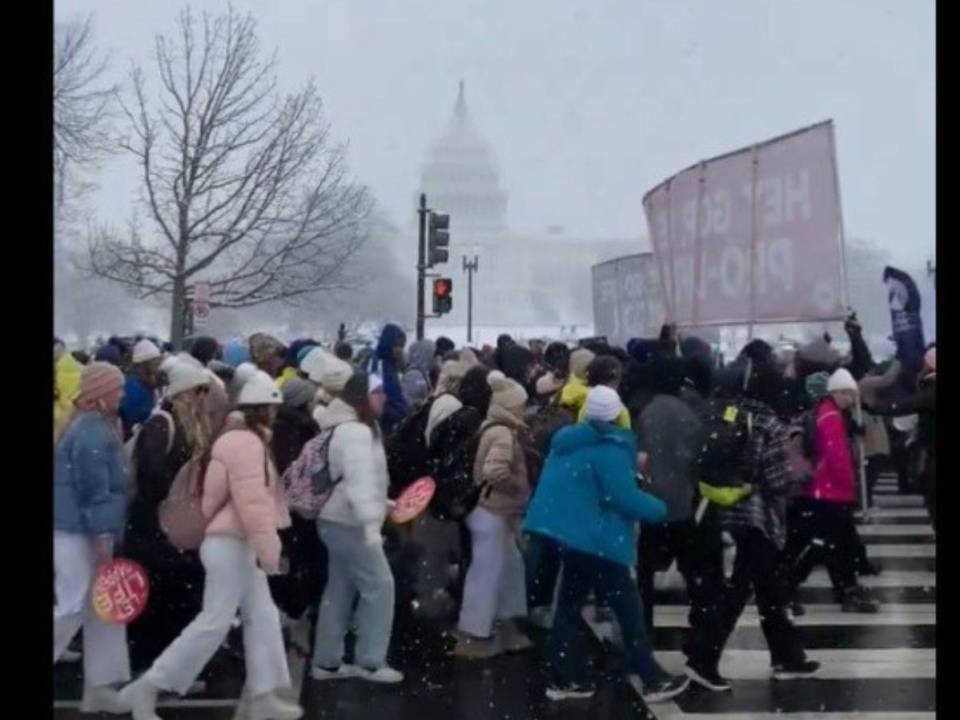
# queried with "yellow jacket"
point(288, 374)
point(574, 396)
point(67, 384)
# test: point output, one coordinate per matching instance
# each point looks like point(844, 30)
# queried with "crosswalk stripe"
point(834, 664)
point(902, 551)
point(879, 528)
point(673, 712)
point(176, 703)
point(890, 614)
point(898, 501)
point(894, 578)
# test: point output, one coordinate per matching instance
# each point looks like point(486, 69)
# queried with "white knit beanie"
point(261, 389)
point(603, 403)
point(842, 380)
point(145, 351)
point(507, 393)
point(327, 370)
point(183, 376)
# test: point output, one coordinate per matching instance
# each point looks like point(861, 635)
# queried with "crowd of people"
point(565, 477)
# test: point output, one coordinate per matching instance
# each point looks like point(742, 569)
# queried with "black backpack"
point(457, 440)
point(724, 458)
point(407, 456)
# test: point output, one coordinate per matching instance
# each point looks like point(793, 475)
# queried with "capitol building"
point(527, 285)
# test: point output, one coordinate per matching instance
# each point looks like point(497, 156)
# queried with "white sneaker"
point(341, 673)
point(140, 699)
point(269, 707)
point(102, 700)
point(385, 675)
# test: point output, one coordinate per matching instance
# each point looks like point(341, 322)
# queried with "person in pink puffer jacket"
point(826, 528)
point(245, 501)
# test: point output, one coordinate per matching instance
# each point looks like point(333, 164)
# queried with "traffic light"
point(438, 239)
point(442, 296)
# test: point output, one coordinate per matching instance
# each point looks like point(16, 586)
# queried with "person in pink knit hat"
point(90, 484)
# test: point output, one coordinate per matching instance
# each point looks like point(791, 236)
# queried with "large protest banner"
point(754, 236)
point(627, 302)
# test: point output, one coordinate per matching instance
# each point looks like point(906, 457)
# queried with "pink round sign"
point(120, 591)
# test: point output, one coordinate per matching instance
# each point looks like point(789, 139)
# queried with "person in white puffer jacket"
point(350, 526)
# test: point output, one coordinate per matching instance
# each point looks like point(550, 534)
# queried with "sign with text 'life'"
point(627, 301)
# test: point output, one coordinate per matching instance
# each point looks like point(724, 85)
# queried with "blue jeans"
point(614, 588)
point(354, 569)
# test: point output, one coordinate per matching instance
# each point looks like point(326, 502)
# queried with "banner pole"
point(864, 495)
point(753, 242)
point(698, 246)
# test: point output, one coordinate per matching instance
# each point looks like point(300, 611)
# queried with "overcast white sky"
point(590, 103)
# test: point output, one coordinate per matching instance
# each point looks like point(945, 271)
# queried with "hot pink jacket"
point(244, 495)
point(833, 476)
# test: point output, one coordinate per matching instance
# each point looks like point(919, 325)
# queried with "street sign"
point(201, 304)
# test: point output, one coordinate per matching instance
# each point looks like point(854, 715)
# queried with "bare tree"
point(81, 104)
point(242, 185)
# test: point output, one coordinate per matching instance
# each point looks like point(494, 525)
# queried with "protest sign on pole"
point(627, 301)
point(754, 236)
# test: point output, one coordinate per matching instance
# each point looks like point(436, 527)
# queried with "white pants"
point(495, 585)
point(233, 581)
point(105, 657)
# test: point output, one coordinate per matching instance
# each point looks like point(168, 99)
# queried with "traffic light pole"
point(421, 263)
point(470, 268)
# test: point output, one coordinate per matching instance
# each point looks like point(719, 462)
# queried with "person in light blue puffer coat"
point(90, 486)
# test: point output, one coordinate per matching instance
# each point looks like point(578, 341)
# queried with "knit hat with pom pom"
point(507, 393)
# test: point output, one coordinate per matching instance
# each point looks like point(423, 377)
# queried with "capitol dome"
point(461, 177)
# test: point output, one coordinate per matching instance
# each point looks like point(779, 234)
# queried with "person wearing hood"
point(417, 381)
point(140, 388)
point(573, 396)
point(179, 431)
point(495, 585)
point(389, 359)
point(360, 586)
point(668, 431)
point(757, 523)
point(244, 498)
point(587, 503)
point(67, 372)
point(90, 487)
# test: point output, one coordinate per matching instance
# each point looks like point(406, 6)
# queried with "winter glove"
point(725, 496)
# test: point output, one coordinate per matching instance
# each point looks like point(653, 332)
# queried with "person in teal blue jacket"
point(588, 503)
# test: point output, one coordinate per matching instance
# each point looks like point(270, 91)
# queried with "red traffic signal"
point(442, 296)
